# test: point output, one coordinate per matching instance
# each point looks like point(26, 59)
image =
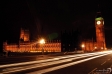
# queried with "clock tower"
point(100, 36)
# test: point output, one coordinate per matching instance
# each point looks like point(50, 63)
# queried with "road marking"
point(103, 63)
point(92, 70)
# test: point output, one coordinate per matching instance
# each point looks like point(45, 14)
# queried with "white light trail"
point(15, 69)
point(42, 63)
point(53, 59)
point(65, 65)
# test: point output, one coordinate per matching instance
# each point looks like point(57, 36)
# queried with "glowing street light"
point(82, 45)
point(42, 42)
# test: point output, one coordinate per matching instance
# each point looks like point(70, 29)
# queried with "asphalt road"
point(87, 63)
point(95, 66)
point(16, 58)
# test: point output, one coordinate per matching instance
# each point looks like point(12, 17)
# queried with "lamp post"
point(83, 47)
point(42, 42)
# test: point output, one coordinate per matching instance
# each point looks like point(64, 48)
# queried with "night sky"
point(54, 16)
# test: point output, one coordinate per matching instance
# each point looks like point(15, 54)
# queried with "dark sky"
point(54, 16)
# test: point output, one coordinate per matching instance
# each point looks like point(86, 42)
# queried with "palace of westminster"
point(67, 42)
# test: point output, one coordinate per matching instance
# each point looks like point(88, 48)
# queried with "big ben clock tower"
point(100, 36)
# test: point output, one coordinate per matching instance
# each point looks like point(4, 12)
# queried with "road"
point(87, 63)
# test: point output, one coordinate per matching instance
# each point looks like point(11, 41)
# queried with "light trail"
point(15, 69)
point(42, 64)
point(52, 59)
point(65, 65)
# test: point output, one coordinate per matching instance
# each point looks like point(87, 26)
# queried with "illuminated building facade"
point(100, 36)
point(89, 45)
point(25, 45)
point(54, 46)
point(24, 35)
point(69, 41)
point(99, 45)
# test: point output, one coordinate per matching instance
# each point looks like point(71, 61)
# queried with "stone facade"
point(33, 47)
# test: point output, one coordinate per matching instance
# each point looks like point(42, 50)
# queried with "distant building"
point(25, 45)
point(100, 35)
point(70, 41)
point(24, 35)
point(99, 45)
point(89, 45)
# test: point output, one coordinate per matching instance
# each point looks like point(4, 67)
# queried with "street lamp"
point(42, 42)
point(83, 46)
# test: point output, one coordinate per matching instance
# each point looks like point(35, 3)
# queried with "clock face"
point(98, 22)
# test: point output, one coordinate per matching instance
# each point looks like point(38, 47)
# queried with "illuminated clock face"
point(98, 22)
